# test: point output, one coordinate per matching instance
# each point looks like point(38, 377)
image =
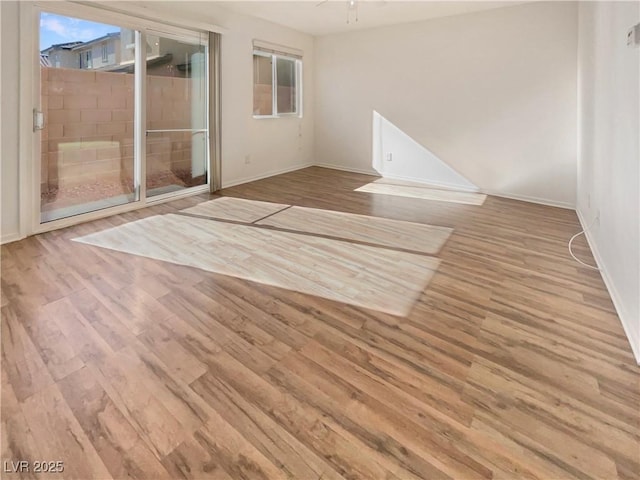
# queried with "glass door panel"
point(286, 78)
point(87, 99)
point(177, 112)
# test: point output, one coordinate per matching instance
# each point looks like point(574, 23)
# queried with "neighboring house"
point(127, 46)
point(115, 52)
point(100, 53)
point(103, 53)
point(61, 55)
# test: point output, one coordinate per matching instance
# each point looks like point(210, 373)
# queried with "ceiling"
point(319, 17)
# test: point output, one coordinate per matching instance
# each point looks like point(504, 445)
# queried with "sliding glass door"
point(87, 102)
point(176, 140)
point(123, 114)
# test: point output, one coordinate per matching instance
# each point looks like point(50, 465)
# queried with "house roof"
point(97, 40)
point(77, 45)
point(62, 46)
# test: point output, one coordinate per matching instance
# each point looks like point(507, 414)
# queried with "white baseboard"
point(526, 198)
point(348, 169)
point(10, 237)
point(613, 293)
point(271, 173)
point(447, 186)
point(434, 184)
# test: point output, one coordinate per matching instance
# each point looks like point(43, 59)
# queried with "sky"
point(60, 29)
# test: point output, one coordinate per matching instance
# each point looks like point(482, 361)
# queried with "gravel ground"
point(88, 192)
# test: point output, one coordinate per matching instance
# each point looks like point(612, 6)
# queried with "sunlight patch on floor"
point(237, 209)
point(376, 278)
point(387, 232)
point(398, 188)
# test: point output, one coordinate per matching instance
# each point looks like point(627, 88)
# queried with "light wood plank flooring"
point(401, 188)
point(376, 278)
point(396, 234)
point(235, 209)
point(512, 363)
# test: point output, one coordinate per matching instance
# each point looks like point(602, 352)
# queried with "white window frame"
point(274, 83)
point(105, 53)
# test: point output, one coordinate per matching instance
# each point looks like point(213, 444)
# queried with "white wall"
point(492, 93)
point(9, 96)
point(397, 156)
point(273, 145)
point(609, 160)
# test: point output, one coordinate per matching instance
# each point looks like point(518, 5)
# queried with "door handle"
point(38, 120)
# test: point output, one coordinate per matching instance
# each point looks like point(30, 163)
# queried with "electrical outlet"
point(388, 156)
point(247, 159)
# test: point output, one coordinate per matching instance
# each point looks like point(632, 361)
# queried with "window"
point(271, 69)
point(286, 97)
point(88, 61)
point(262, 85)
point(105, 54)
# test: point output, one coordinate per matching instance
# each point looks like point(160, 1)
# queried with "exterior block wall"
point(89, 127)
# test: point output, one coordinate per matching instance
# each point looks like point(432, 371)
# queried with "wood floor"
point(399, 188)
point(376, 278)
point(378, 231)
point(512, 363)
point(235, 209)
